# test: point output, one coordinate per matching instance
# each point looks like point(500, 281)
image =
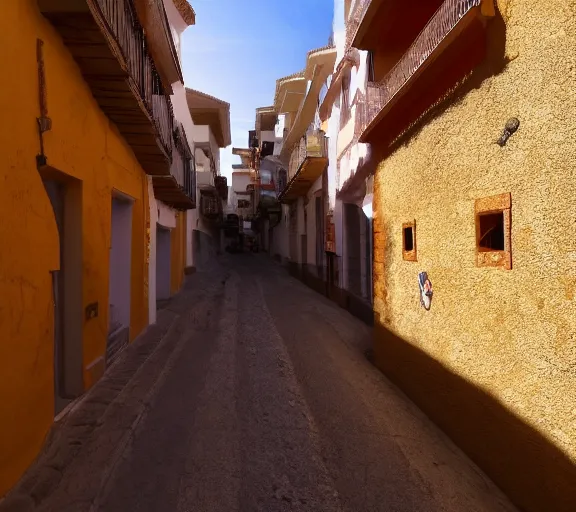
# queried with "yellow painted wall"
point(84, 145)
point(494, 360)
point(178, 253)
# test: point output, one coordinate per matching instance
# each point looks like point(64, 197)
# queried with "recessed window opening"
point(493, 219)
point(408, 239)
point(491, 231)
point(370, 66)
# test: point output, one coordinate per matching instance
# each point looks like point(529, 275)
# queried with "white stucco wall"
point(280, 237)
point(182, 114)
point(201, 133)
point(240, 182)
point(152, 254)
point(267, 136)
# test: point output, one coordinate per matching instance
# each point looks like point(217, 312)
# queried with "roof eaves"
point(186, 11)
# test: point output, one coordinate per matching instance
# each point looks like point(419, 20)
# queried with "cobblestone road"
point(251, 393)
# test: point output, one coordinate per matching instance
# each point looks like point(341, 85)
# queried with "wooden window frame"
point(494, 204)
point(409, 255)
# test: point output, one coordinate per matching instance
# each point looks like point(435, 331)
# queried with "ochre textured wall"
point(84, 145)
point(494, 360)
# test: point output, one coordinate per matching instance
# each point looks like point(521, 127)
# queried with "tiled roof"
point(186, 11)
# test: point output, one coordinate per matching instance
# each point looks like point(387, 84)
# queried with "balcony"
point(178, 189)
point(221, 184)
point(307, 163)
point(368, 108)
point(264, 190)
point(210, 203)
point(359, 14)
point(433, 61)
point(107, 41)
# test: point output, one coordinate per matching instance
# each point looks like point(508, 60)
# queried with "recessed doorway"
point(65, 196)
point(119, 276)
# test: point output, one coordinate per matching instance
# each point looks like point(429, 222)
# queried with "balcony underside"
point(103, 68)
point(268, 200)
point(167, 190)
point(389, 24)
point(310, 170)
point(432, 66)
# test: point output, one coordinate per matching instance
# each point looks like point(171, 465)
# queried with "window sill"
point(498, 259)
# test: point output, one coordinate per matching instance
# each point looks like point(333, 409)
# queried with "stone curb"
point(73, 435)
point(38, 484)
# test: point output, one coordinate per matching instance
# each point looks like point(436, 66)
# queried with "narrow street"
point(258, 397)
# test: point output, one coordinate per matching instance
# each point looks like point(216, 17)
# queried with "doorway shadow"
point(65, 195)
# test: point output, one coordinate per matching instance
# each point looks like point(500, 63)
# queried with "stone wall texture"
point(494, 360)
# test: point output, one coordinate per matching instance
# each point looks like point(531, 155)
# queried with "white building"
point(211, 118)
point(168, 195)
point(321, 173)
point(349, 183)
point(201, 128)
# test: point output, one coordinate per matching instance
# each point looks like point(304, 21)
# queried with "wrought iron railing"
point(209, 204)
point(312, 145)
point(379, 94)
point(368, 107)
point(355, 17)
point(123, 25)
point(183, 165)
point(163, 117)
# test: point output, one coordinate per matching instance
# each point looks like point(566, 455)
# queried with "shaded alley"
point(251, 393)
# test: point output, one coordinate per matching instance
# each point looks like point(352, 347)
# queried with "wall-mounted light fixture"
point(510, 129)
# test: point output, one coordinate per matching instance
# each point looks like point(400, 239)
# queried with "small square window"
point(409, 241)
point(491, 227)
point(493, 241)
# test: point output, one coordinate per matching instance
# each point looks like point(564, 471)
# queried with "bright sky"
point(238, 48)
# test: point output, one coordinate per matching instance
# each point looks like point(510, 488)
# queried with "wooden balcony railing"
point(380, 94)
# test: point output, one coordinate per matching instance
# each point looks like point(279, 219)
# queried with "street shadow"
point(527, 466)
point(535, 474)
point(523, 462)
